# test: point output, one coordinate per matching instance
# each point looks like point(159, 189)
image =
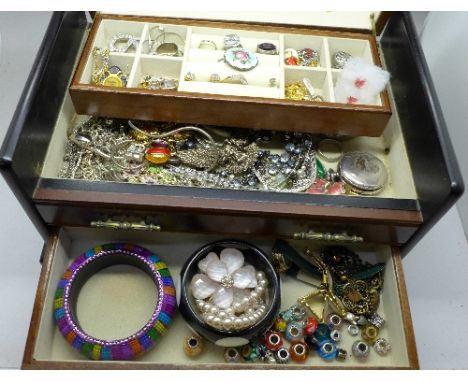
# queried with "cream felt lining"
point(204, 62)
point(174, 249)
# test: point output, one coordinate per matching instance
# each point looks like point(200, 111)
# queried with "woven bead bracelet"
point(92, 261)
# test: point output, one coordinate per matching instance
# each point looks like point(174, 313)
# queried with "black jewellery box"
point(72, 215)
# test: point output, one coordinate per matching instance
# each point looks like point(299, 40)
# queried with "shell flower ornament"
point(228, 292)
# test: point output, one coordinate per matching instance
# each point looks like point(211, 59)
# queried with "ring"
point(232, 41)
point(122, 37)
point(207, 44)
point(267, 48)
point(237, 79)
point(92, 261)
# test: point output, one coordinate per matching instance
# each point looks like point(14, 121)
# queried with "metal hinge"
point(328, 236)
point(125, 225)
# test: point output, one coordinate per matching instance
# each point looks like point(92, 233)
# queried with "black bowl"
point(189, 311)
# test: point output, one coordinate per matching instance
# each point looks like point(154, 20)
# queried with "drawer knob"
point(140, 226)
point(328, 236)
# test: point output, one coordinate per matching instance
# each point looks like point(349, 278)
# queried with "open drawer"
point(47, 349)
point(424, 180)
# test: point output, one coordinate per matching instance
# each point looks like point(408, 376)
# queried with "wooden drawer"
point(238, 105)
point(47, 349)
point(424, 180)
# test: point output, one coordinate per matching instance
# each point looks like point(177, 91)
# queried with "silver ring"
point(207, 44)
point(237, 79)
point(267, 48)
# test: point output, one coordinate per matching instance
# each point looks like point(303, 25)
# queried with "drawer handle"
point(328, 236)
point(141, 226)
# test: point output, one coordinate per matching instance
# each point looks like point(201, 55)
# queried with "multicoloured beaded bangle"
point(92, 261)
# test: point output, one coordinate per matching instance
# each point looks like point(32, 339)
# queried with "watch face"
point(167, 48)
point(241, 59)
point(113, 80)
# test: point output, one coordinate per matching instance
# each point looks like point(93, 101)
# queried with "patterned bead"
point(295, 313)
point(293, 332)
point(327, 350)
point(282, 355)
point(249, 353)
point(311, 326)
point(360, 350)
point(280, 325)
point(299, 352)
point(382, 346)
point(312, 342)
point(334, 321)
point(322, 333)
point(376, 320)
point(369, 333)
point(273, 341)
point(193, 346)
point(232, 355)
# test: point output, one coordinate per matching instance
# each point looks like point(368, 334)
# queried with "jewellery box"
point(404, 129)
point(251, 102)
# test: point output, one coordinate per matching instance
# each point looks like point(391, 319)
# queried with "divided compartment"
point(249, 39)
point(176, 34)
point(298, 42)
point(46, 347)
point(110, 28)
point(320, 80)
point(156, 66)
point(335, 75)
point(355, 47)
point(124, 61)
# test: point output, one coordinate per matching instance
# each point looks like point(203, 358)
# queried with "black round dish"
point(253, 256)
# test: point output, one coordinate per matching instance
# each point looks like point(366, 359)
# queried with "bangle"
point(91, 262)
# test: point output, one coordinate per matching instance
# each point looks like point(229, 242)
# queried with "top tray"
point(253, 104)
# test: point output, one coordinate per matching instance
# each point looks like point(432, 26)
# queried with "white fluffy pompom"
point(360, 82)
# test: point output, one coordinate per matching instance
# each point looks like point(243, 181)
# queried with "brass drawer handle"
point(327, 236)
point(141, 226)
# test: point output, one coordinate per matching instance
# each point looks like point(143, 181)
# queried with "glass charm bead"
point(299, 351)
point(312, 342)
point(273, 341)
point(321, 171)
point(327, 350)
point(311, 326)
point(280, 325)
point(322, 332)
point(334, 321)
point(294, 331)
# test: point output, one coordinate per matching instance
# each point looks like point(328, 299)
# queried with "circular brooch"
point(94, 260)
point(240, 59)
